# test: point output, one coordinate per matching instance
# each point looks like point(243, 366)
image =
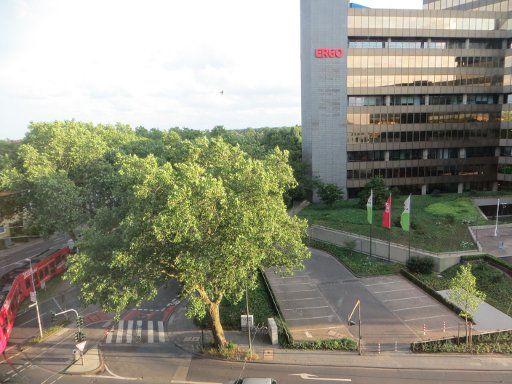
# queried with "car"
point(253, 380)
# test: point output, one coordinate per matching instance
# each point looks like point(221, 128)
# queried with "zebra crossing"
point(136, 331)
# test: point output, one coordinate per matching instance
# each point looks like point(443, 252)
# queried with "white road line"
point(120, 331)
point(150, 332)
point(296, 309)
point(139, 329)
point(404, 298)
point(129, 330)
point(56, 303)
point(394, 290)
point(423, 306)
point(310, 318)
point(309, 283)
point(304, 290)
point(426, 318)
point(391, 282)
point(110, 334)
point(304, 298)
point(161, 333)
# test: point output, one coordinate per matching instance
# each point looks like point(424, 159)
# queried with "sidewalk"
point(268, 354)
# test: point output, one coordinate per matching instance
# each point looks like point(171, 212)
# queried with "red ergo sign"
point(328, 53)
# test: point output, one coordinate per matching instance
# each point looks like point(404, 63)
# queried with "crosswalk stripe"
point(109, 336)
point(120, 329)
point(139, 329)
point(150, 332)
point(129, 330)
point(161, 333)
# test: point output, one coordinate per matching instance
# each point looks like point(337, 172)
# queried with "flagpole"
point(389, 231)
point(410, 224)
point(371, 222)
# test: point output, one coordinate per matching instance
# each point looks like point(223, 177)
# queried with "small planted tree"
point(380, 192)
point(464, 292)
point(329, 193)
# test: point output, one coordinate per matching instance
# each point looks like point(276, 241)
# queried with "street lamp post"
point(35, 299)
point(350, 322)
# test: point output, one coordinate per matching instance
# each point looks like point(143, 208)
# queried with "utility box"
point(272, 331)
point(243, 321)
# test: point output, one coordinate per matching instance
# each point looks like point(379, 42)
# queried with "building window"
point(2, 229)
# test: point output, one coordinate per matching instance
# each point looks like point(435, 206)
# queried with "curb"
point(99, 368)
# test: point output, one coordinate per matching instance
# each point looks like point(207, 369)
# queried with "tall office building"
point(419, 97)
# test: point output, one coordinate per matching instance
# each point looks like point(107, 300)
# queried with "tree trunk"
point(218, 332)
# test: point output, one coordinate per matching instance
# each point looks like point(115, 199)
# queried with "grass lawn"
point(360, 264)
point(439, 223)
point(260, 305)
point(496, 284)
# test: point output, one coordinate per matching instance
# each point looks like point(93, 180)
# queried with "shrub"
point(423, 265)
point(380, 192)
point(329, 193)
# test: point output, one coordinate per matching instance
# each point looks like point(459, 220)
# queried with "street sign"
point(81, 346)
point(33, 297)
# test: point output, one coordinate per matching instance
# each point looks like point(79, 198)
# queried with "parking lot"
point(422, 314)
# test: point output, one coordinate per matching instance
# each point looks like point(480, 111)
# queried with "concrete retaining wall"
point(399, 253)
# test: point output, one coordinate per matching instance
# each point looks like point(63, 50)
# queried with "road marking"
point(161, 333)
point(57, 304)
point(307, 376)
point(139, 330)
point(114, 376)
point(394, 290)
point(311, 318)
point(110, 334)
point(423, 306)
point(120, 331)
point(181, 373)
point(391, 282)
point(150, 332)
point(304, 290)
point(304, 298)
point(404, 298)
point(193, 382)
point(129, 330)
point(296, 309)
point(426, 318)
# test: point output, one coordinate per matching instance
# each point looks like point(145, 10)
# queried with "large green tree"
point(210, 218)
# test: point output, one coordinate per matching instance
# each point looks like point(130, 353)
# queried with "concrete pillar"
point(462, 153)
point(495, 186)
point(460, 188)
point(497, 152)
point(424, 189)
point(425, 154)
point(464, 98)
point(386, 156)
point(388, 100)
point(427, 99)
point(501, 99)
point(467, 43)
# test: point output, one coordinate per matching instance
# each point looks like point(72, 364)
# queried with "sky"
point(152, 63)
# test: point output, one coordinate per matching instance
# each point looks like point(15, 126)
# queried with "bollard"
point(378, 348)
point(424, 329)
point(396, 346)
point(444, 326)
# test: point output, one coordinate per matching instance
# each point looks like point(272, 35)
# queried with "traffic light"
point(80, 322)
point(52, 316)
point(79, 337)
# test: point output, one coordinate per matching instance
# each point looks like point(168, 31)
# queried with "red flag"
point(386, 216)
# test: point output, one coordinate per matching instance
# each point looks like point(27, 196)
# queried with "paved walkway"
point(487, 318)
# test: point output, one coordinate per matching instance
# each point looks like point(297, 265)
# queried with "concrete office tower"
point(419, 97)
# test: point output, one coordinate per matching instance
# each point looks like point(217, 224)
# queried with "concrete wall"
point(399, 253)
point(324, 91)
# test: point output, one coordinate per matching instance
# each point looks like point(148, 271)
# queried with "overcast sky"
point(155, 63)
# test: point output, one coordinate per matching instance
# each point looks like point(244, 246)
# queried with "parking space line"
point(404, 298)
point(394, 290)
point(426, 318)
point(293, 284)
point(423, 306)
point(310, 318)
point(304, 290)
point(390, 282)
point(296, 309)
point(304, 298)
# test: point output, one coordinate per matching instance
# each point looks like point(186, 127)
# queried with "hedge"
point(492, 260)
point(496, 342)
point(413, 279)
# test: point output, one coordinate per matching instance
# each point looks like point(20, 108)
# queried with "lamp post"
point(35, 299)
point(350, 322)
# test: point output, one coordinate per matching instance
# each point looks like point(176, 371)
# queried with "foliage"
point(497, 342)
point(210, 219)
point(423, 265)
point(343, 344)
point(47, 332)
point(430, 231)
point(380, 192)
point(329, 193)
point(359, 263)
point(464, 292)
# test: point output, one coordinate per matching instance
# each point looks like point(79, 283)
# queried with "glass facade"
point(428, 95)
